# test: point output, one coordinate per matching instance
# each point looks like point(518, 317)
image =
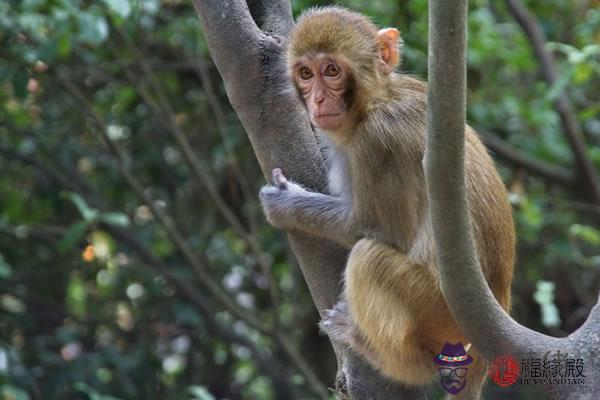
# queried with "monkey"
point(391, 310)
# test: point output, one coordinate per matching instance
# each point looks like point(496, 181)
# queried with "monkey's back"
point(383, 169)
point(392, 280)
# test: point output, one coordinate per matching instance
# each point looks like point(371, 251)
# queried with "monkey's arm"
point(289, 206)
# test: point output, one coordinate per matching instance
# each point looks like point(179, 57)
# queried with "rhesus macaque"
point(392, 311)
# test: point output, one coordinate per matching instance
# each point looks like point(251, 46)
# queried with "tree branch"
point(164, 113)
point(461, 274)
point(541, 169)
point(75, 183)
point(264, 359)
point(273, 17)
point(199, 268)
point(463, 285)
point(260, 103)
point(586, 172)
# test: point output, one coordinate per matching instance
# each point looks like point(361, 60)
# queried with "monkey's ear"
point(389, 48)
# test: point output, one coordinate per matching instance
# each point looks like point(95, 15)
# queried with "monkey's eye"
point(305, 73)
point(332, 70)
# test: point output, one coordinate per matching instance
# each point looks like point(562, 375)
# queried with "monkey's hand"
point(279, 200)
point(289, 206)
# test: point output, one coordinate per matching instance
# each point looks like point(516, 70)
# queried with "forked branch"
point(469, 298)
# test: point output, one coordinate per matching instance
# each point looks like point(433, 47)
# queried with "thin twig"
point(215, 105)
point(228, 334)
point(164, 112)
point(541, 169)
point(186, 289)
point(586, 172)
point(164, 219)
point(302, 365)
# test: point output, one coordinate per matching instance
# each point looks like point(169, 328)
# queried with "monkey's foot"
point(341, 386)
point(338, 325)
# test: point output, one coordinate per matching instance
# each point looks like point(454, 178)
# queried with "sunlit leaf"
point(12, 304)
point(119, 7)
point(5, 270)
point(93, 28)
point(11, 392)
point(200, 393)
point(91, 392)
point(76, 296)
point(104, 245)
point(591, 50)
point(544, 296)
point(88, 213)
point(586, 233)
point(558, 87)
point(116, 218)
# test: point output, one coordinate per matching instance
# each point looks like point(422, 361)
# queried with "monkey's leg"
point(475, 381)
point(388, 297)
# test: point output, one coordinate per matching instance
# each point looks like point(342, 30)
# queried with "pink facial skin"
point(322, 81)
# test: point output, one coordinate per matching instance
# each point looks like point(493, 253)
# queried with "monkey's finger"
point(279, 179)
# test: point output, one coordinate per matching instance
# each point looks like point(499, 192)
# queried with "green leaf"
point(69, 6)
point(19, 81)
point(562, 47)
point(115, 218)
point(12, 304)
point(93, 28)
point(91, 392)
point(34, 24)
point(558, 87)
point(104, 244)
point(590, 112)
point(13, 392)
point(64, 45)
point(5, 270)
point(89, 214)
point(585, 233)
point(582, 72)
point(200, 393)
point(544, 296)
point(76, 300)
point(119, 7)
point(591, 49)
point(532, 213)
point(73, 235)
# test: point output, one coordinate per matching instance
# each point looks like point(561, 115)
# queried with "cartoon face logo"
point(453, 371)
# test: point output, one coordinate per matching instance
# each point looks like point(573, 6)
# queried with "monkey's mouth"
point(328, 121)
point(328, 115)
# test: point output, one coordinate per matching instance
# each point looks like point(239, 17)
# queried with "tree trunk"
point(246, 40)
point(464, 287)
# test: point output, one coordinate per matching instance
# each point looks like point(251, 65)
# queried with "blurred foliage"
point(100, 299)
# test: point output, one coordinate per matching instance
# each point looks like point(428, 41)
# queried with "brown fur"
point(396, 315)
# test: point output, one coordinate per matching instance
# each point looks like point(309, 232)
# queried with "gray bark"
point(464, 287)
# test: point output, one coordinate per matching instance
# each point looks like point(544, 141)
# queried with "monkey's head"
point(340, 62)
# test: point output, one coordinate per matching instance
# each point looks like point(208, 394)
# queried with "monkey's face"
point(323, 82)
